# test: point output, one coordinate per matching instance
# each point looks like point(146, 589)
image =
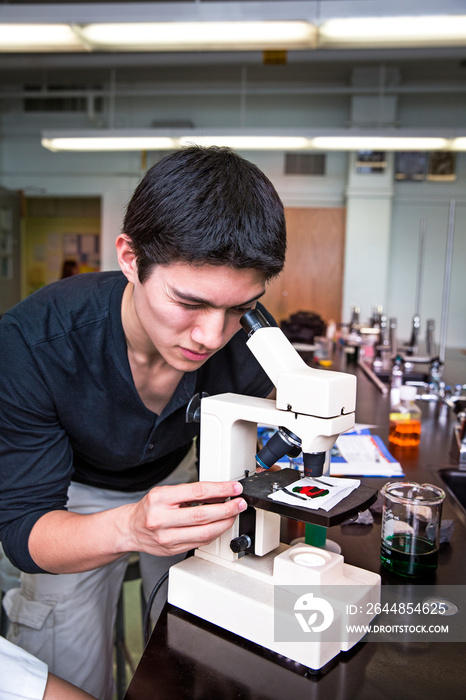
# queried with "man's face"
point(189, 312)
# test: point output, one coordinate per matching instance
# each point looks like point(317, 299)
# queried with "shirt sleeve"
point(23, 676)
point(35, 453)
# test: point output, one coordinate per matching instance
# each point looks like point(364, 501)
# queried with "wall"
point(368, 224)
point(403, 259)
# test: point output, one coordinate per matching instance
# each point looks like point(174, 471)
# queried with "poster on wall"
point(84, 249)
point(411, 166)
point(52, 255)
point(442, 166)
point(438, 166)
point(371, 162)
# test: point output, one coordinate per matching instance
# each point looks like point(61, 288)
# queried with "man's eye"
point(190, 306)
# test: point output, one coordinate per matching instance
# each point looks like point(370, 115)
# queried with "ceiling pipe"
point(253, 88)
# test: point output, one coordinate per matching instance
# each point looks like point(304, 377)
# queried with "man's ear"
point(126, 257)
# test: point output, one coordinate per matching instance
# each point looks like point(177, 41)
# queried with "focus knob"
point(240, 544)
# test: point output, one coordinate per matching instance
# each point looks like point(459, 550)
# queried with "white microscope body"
point(236, 590)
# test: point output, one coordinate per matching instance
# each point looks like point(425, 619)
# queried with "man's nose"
point(209, 331)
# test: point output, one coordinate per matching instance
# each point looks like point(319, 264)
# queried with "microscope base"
point(241, 596)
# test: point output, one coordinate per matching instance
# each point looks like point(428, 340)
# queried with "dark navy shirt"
point(69, 408)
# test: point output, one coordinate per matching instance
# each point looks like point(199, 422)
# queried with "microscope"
point(238, 581)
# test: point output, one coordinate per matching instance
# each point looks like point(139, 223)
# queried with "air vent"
point(305, 164)
point(60, 98)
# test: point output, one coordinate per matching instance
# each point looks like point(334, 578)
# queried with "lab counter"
point(187, 658)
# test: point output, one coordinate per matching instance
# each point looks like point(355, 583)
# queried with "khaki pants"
point(68, 620)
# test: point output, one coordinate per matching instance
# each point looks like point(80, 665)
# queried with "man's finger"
point(198, 491)
point(205, 513)
point(188, 538)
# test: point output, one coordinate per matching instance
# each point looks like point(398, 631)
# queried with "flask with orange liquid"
point(405, 419)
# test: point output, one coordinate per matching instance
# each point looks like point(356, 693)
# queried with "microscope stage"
point(257, 487)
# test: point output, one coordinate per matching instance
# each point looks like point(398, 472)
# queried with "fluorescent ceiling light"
point(393, 31)
point(378, 143)
point(172, 139)
point(250, 143)
point(182, 36)
point(33, 37)
point(232, 35)
point(104, 142)
point(139, 142)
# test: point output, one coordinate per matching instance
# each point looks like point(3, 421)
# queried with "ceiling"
point(394, 70)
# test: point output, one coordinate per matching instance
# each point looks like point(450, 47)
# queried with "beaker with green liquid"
point(411, 527)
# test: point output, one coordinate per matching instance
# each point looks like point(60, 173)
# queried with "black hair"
point(206, 206)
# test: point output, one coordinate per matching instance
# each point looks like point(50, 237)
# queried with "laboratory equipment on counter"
point(405, 419)
point(231, 582)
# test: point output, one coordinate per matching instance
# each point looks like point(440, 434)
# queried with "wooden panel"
point(313, 276)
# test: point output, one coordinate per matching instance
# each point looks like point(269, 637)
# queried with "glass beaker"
point(411, 527)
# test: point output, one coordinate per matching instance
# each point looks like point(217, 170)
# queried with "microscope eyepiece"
point(252, 320)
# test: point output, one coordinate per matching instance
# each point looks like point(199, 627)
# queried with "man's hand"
point(168, 520)
point(174, 519)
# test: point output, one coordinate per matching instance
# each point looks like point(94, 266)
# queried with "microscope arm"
point(300, 388)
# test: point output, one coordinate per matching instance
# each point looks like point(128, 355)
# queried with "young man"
point(96, 371)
